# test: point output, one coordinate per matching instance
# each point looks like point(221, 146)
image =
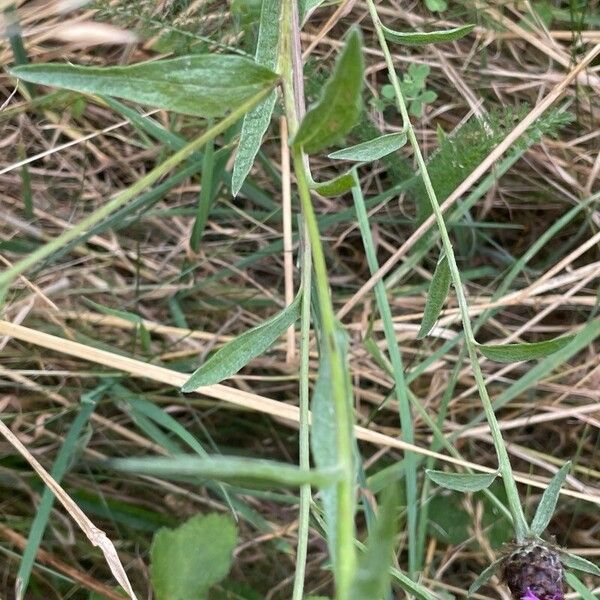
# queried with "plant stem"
point(514, 503)
point(345, 554)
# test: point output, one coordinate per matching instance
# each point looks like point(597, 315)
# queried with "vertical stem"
point(520, 524)
point(345, 555)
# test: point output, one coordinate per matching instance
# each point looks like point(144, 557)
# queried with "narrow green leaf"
point(508, 353)
point(207, 85)
point(340, 105)
point(256, 121)
point(373, 574)
point(462, 482)
point(237, 353)
point(579, 587)
point(416, 38)
point(438, 292)
point(224, 468)
point(572, 561)
point(373, 149)
point(335, 187)
point(186, 562)
point(484, 576)
point(308, 6)
point(547, 504)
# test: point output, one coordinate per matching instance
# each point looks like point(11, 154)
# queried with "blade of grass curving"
point(418, 38)
point(125, 196)
point(257, 120)
point(436, 296)
point(205, 85)
point(65, 456)
point(237, 353)
point(339, 107)
point(225, 468)
point(204, 199)
point(508, 353)
point(547, 504)
point(400, 387)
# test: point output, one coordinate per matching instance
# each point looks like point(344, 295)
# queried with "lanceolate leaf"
point(339, 107)
point(547, 504)
point(484, 576)
point(579, 563)
point(580, 587)
point(462, 482)
point(335, 187)
point(237, 353)
point(257, 120)
point(416, 38)
point(438, 291)
point(508, 353)
point(202, 84)
point(373, 149)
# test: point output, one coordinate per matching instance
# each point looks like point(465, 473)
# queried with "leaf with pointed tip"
point(335, 187)
point(206, 85)
point(462, 482)
point(339, 107)
point(257, 120)
point(372, 149)
point(572, 561)
point(417, 38)
point(579, 587)
point(508, 353)
point(237, 353)
point(438, 292)
point(547, 504)
point(484, 576)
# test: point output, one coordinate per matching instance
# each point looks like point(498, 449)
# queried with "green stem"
point(126, 195)
point(345, 555)
point(305, 492)
point(514, 503)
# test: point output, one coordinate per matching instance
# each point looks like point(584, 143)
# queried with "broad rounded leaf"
point(462, 482)
point(417, 38)
point(438, 291)
point(187, 561)
point(339, 107)
point(335, 187)
point(516, 352)
point(207, 85)
point(237, 353)
point(547, 504)
point(373, 149)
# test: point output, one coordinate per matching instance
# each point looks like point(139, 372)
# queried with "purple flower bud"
point(533, 572)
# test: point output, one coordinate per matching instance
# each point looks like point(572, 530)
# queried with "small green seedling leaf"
point(340, 105)
point(237, 353)
point(462, 482)
point(484, 577)
point(335, 187)
point(508, 353)
point(186, 562)
point(257, 120)
point(417, 38)
point(373, 149)
point(206, 85)
point(579, 587)
point(225, 468)
point(438, 292)
point(372, 577)
point(436, 5)
point(547, 504)
point(572, 561)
